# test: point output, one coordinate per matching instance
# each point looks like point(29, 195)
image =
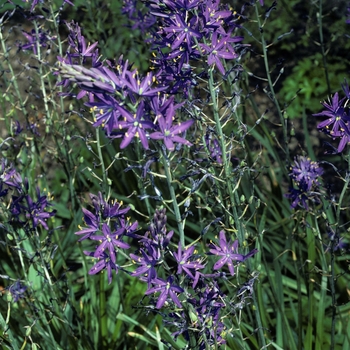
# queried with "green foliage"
point(306, 83)
point(300, 297)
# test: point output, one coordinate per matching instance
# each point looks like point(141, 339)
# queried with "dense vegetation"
point(169, 178)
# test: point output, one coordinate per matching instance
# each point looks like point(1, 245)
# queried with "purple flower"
point(34, 38)
point(336, 124)
point(220, 48)
point(9, 175)
point(36, 210)
point(167, 289)
point(306, 171)
point(17, 291)
point(95, 80)
point(105, 263)
point(188, 263)
point(170, 133)
point(346, 89)
point(77, 43)
point(299, 196)
point(93, 223)
point(157, 236)
point(213, 147)
point(107, 113)
point(110, 240)
point(107, 210)
point(147, 264)
point(141, 87)
point(229, 253)
point(136, 126)
point(183, 32)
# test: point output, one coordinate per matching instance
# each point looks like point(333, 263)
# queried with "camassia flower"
point(168, 132)
point(136, 126)
point(93, 223)
point(229, 253)
point(110, 240)
point(337, 123)
point(306, 171)
point(167, 289)
point(105, 263)
point(36, 210)
point(220, 48)
point(188, 263)
point(147, 264)
point(17, 291)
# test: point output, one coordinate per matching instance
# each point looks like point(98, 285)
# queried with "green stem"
point(173, 197)
point(271, 86)
point(103, 311)
point(233, 195)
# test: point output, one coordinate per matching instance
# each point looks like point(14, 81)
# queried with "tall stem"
point(169, 180)
point(272, 91)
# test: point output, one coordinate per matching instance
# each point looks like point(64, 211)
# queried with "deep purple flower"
point(36, 210)
point(17, 128)
point(17, 291)
point(167, 289)
point(77, 43)
point(188, 262)
point(110, 240)
point(183, 32)
point(105, 263)
point(338, 119)
point(93, 223)
point(9, 175)
point(170, 133)
point(136, 125)
point(299, 196)
point(147, 264)
point(220, 48)
point(141, 87)
point(127, 227)
point(107, 113)
point(3, 191)
point(157, 236)
point(229, 253)
point(336, 124)
point(213, 17)
point(34, 38)
point(336, 242)
point(108, 210)
point(307, 171)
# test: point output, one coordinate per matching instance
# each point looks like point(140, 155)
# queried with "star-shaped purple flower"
point(169, 133)
point(136, 126)
point(105, 263)
point(110, 240)
point(229, 253)
point(167, 289)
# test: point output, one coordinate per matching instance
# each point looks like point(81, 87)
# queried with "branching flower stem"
point(227, 169)
point(271, 87)
point(173, 196)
